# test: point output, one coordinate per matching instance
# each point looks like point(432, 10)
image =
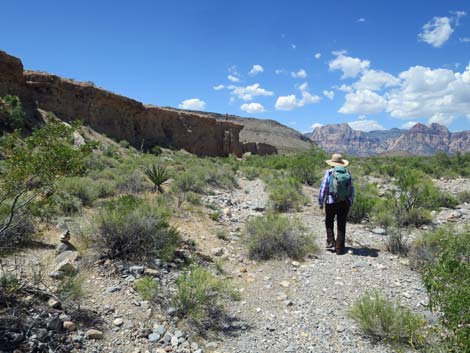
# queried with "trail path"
point(290, 307)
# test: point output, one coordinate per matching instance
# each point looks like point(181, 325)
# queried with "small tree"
point(157, 175)
point(31, 167)
point(12, 110)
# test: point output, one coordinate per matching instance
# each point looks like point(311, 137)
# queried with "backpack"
point(340, 184)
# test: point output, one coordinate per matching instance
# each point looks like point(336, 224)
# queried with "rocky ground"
point(285, 306)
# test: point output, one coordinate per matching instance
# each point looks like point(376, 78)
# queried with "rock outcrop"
point(123, 118)
point(419, 140)
point(13, 82)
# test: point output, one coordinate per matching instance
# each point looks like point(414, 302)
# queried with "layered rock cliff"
point(419, 140)
point(116, 116)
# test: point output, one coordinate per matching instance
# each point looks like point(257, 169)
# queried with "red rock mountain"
point(419, 140)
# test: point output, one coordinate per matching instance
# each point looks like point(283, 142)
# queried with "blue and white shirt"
point(325, 185)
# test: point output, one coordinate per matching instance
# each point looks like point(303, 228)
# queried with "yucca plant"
point(157, 175)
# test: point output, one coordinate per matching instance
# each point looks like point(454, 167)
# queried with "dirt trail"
point(290, 307)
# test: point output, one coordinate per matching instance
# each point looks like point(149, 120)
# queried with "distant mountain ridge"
point(420, 140)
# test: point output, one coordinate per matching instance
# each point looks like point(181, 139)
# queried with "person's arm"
point(323, 189)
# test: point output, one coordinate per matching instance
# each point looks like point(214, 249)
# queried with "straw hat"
point(337, 161)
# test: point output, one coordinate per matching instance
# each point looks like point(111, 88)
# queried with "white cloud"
point(344, 88)
point(291, 102)
point(360, 20)
point(363, 102)
point(438, 94)
point(249, 92)
point(441, 118)
point(314, 126)
point(350, 66)
point(375, 80)
point(256, 69)
point(299, 74)
point(193, 104)
point(218, 87)
point(464, 40)
point(329, 94)
point(252, 108)
point(293, 46)
point(365, 125)
point(292, 122)
point(408, 125)
point(457, 16)
point(233, 78)
point(280, 72)
point(436, 32)
point(317, 55)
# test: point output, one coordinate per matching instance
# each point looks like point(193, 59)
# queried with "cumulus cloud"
point(351, 67)
point(291, 102)
point(247, 93)
point(344, 88)
point(280, 72)
point(193, 104)
point(252, 108)
point(329, 94)
point(233, 78)
point(457, 15)
point(436, 32)
point(365, 125)
point(408, 125)
point(299, 74)
point(437, 94)
point(360, 20)
point(255, 70)
point(315, 125)
point(317, 55)
point(218, 87)
point(375, 80)
point(464, 40)
point(363, 102)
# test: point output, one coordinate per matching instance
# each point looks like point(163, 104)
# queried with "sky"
point(372, 64)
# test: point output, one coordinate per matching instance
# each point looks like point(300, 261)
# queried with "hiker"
point(337, 196)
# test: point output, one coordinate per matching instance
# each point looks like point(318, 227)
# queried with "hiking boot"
point(340, 251)
point(330, 244)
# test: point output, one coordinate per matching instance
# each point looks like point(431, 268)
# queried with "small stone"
point(227, 212)
point(288, 303)
point(69, 326)
point(340, 328)
point(154, 337)
point(137, 270)
point(295, 263)
point(160, 329)
point(211, 345)
point(66, 267)
point(77, 338)
point(174, 341)
point(179, 334)
point(94, 334)
point(67, 255)
point(218, 251)
point(55, 324)
point(379, 231)
point(118, 322)
point(53, 303)
point(284, 284)
point(144, 333)
point(171, 311)
point(194, 346)
point(406, 295)
point(114, 289)
point(151, 272)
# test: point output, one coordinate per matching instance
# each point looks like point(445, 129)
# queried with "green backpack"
point(340, 184)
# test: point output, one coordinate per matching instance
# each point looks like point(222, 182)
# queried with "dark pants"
point(340, 210)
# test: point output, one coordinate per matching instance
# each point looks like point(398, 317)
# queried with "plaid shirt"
point(323, 194)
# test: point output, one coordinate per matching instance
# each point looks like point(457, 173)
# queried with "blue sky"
point(374, 64)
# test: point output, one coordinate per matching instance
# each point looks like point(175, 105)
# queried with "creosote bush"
point(133, 229)
point(276, 236)
point(396, 243)
point(81, 187)
point(382, 319)
point(285, 194)
point(200, 298)
point(147, 288)
point(364, 203)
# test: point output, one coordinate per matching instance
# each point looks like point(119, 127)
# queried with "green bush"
point(285, 194)
point(364, 203)
point(105, 188)
point(200, 298)
point(81, 187)
point(276, 236)
point(70, 289)
point(132, 229)
point(396, 243)
point(382, 319)
point(193, 198)
point(189, 181)
point(133, 183)
point(464, 196)
point(445, 270)
point(12, 109)
point(66, 204)
point(251, 173)
point(147, 288)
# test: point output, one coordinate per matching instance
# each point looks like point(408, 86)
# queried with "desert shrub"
point(189, 181)
point(285, 194)
point(221, 234)
point(131, 228)
point(64, 203)
point(81, 187)
point(105, 188)
point(384, 213)
point(364, 203)
point(10, 285)
point(382, 319)
point(464, 196)
point(20, 234)
point(157, 175)
point(133, 183)
point(446, 276)
point(200, 297)
point(446, 199)
point(396, 243)
point(124, 144)
point(193, 198)
point(276, 236)
point(70, 289)
point(147, 287)
point(156, 150)
point(251, 173)
point(12, 109)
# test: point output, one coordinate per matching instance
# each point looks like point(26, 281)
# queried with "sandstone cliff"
point(419, 140)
